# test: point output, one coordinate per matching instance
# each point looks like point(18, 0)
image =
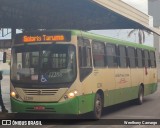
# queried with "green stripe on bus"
point(78, 105)
point(125, 94)
point(66, 107)
point(85, 103)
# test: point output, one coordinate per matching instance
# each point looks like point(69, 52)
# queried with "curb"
point(3, 115)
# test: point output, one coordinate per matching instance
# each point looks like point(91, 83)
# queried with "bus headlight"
point(14, 95)
point(71, 94)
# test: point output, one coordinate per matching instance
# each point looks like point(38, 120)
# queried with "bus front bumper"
point(69, 106)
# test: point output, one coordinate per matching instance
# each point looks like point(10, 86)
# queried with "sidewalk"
point(5, 86)
point(5, 67)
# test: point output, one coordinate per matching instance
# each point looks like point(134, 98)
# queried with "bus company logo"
point(6, 122)
point(39, 92)
point(122, 81)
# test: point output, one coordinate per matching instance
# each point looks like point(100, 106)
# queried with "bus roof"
point(110, 39)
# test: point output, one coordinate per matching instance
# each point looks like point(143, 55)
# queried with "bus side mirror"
point(4, 57)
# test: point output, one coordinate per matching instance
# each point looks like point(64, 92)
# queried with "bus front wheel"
point(97, 112)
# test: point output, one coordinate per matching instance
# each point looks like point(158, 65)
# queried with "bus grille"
point(40, 91)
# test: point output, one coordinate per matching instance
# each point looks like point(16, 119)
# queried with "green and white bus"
point(75, 72)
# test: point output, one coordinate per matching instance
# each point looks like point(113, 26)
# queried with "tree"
point(141, 34)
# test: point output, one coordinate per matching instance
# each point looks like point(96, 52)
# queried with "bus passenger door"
point(85, 69)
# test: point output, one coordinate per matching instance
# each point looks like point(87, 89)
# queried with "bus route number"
point(28, 98)
point(54, 74)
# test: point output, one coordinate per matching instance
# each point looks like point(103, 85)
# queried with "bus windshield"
point(50, 63)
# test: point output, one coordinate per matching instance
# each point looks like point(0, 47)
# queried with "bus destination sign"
point(43, 37)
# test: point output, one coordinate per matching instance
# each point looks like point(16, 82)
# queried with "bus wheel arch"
point(98, 104)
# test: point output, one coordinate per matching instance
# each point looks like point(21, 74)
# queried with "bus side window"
point(139, 58)
point(131, 57)
point(123, 57)
point(85, 61)
point(111, 56)
point(146, 58)
point(152, 59)
point(98, 49)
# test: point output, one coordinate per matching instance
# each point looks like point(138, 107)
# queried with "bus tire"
point(98, 105)
point(139, 100)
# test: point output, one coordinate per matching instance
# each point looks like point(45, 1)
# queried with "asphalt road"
point(150, 109)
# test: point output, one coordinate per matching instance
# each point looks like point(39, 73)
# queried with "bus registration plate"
point(39, 108)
